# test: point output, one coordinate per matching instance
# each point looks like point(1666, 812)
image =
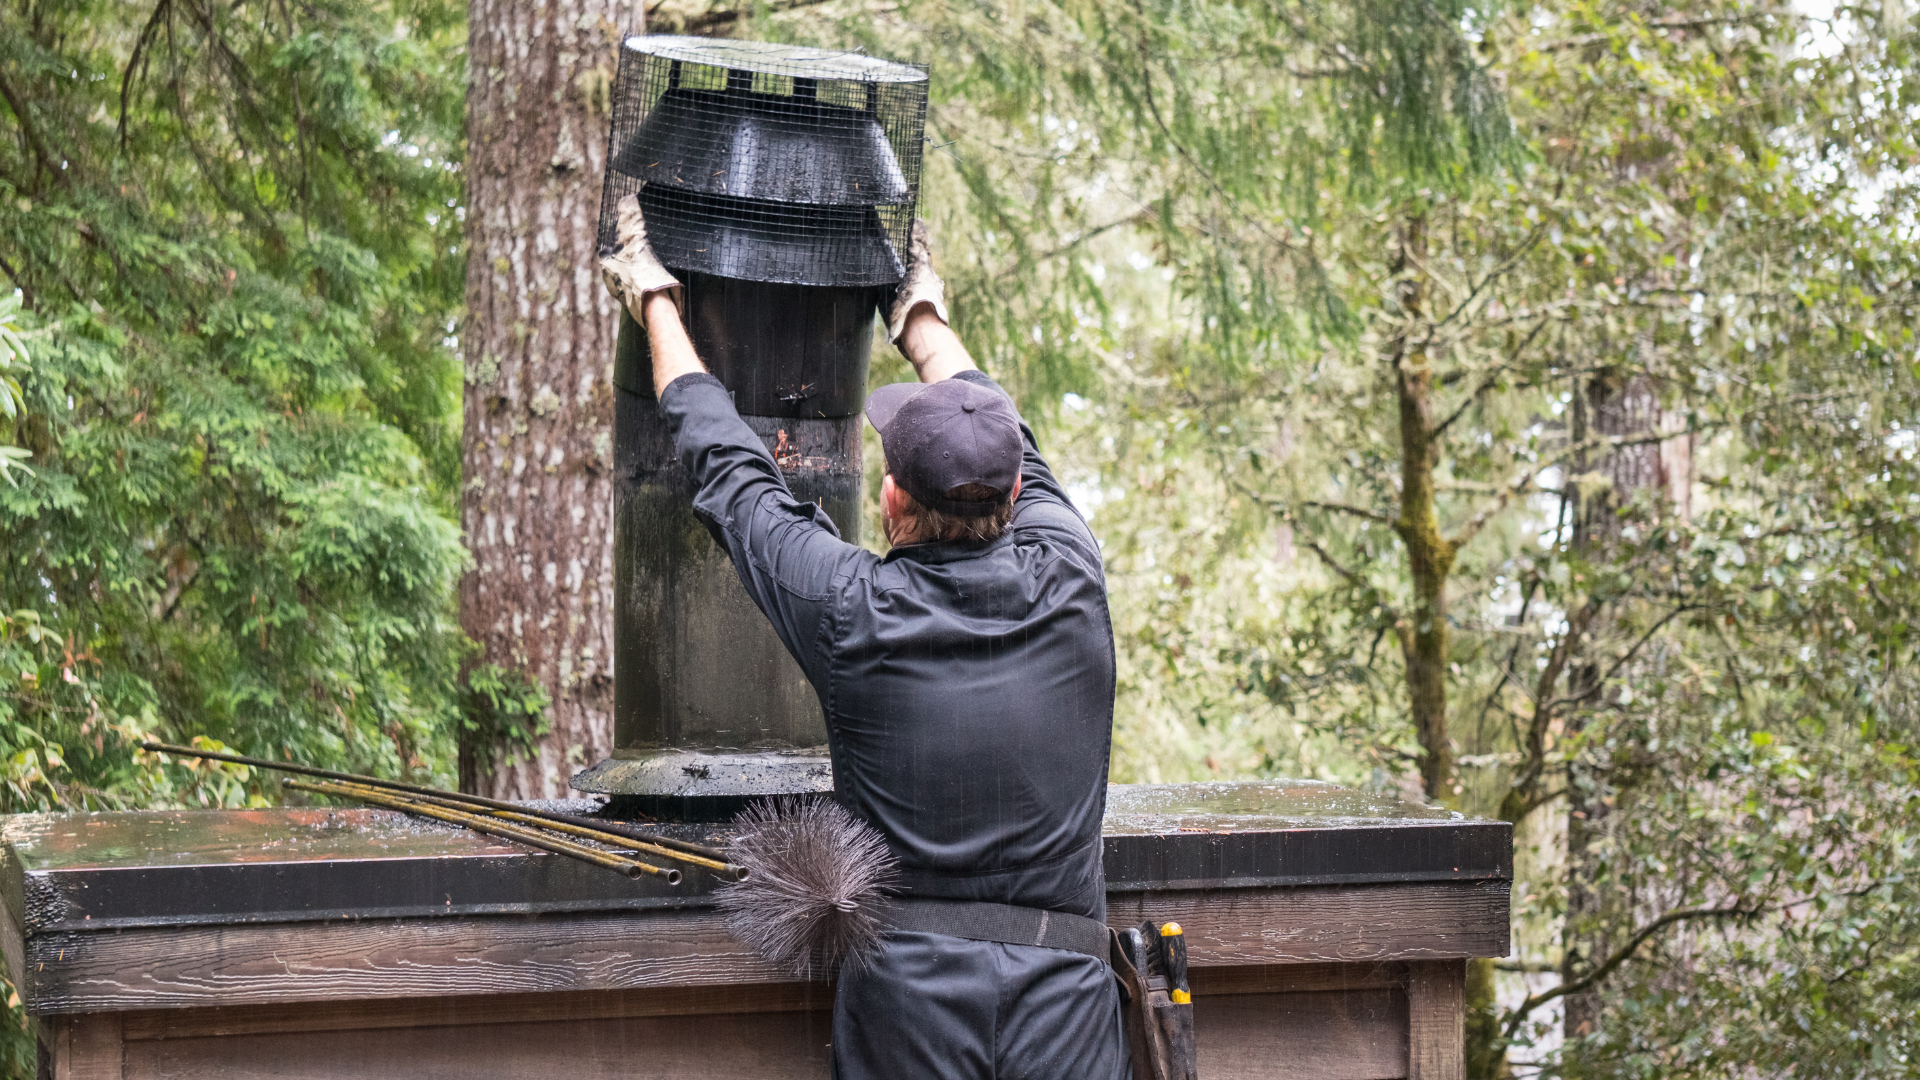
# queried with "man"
point(967, 681)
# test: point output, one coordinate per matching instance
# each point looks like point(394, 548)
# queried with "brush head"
point(819, 878)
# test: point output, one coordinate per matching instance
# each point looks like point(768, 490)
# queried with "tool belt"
point(1149, 962)
point(977, 920)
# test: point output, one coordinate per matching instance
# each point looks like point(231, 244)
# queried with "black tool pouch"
point(1159, 1029)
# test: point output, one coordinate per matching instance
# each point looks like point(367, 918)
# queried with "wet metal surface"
point(702, 785)
point(67, 872)
point(1261, 804)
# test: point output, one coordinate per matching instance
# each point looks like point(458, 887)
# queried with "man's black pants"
point(932, 1007)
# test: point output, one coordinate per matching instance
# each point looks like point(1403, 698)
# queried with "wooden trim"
point(279, 963)
point(1436, 1015)
point(486, 1010)
point(1428, 921)
point(347, 961)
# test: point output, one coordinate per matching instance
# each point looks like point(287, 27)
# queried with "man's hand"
point(922, 285)
point(918, 323)
point(652, 296)
point(633, 273)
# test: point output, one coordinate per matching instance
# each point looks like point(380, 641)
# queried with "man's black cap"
point(940, 436)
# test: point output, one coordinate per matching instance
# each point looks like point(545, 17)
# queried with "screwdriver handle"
point(1173, 952)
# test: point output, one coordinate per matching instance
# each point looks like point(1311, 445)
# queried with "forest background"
point(1514, 406)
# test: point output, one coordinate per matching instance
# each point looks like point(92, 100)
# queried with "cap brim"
point(886, 401)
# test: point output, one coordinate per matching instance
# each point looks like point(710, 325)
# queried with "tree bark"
point(536, 498)
point(1423, 631)
point(1621, 405)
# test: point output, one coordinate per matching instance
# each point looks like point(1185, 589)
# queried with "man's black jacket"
point(968, 688)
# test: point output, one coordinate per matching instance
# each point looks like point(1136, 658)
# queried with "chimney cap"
point(774, 58)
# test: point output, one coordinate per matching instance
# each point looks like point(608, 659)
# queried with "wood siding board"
point(1329, 1035)
point(87, 1048)
point(774, 1046)
point(485, 1010)
point(1295, 978)
point(144, 969)
point(1321, 1035)
point(193, 966)
point(1438, 920)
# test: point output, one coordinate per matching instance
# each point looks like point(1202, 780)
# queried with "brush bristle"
point(819, 875)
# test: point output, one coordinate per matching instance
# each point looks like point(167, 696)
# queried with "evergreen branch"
point(1687, 23)
point(1079, 239)
point(180, 594)
point(26, 292)
point(252, 210)
point(1153, 107)
point(1354, 62)
point(1492, 380)
point(1356, 511)
point(1600, 684)
point(161, 10)
point(1334, 565)
point(1620, 956)
point(32, 133)
point(300, 129)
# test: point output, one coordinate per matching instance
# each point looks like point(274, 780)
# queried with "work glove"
point(922, 286)
point(632, 272)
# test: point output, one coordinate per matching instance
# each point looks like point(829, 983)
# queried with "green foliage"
point(236, 231)
point(502, 708)
point(1658, 265)
point(228, 396)
point(1673, 324)
point(13, 400)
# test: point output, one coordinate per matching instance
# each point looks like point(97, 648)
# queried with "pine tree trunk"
point(537, 497)
point(1617, 407)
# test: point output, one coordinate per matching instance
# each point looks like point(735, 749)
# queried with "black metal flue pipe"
point(709, 709)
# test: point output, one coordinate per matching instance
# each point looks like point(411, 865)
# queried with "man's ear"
point(893, 501)
point(1015, 493)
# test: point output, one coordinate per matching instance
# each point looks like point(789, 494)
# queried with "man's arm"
point(788, 554)
point(673, 354)
point(932, 347)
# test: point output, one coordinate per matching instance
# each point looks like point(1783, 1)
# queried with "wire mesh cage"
point(767, 162)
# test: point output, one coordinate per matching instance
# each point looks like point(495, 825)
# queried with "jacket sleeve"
point(788, 553)
point(1043, 508)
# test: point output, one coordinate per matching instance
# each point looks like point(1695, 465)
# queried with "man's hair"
point(926, 524)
